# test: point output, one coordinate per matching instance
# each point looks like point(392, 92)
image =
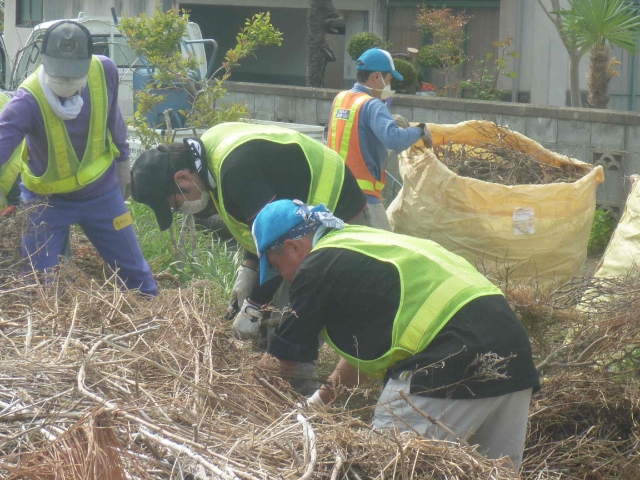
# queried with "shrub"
point(410, 74)
point(601, 231)
point(436, 54)
point(361, 42)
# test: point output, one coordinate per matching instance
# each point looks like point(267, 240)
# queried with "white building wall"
point(543, 67)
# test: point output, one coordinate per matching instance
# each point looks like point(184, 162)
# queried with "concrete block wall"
point(605, 137)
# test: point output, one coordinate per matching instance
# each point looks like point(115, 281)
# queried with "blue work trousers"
point(105, 220)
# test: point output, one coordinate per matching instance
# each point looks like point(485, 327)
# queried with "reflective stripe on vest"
point(10, 170)
point(434, 285)
point(64, 172)
point(326, 167)
point(343, 138)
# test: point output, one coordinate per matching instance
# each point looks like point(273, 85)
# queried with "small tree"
point(447, 32)
point(594, 25)
point(157, 40)
point(483, 84)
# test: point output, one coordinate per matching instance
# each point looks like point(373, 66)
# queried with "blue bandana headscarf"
point(287, 220)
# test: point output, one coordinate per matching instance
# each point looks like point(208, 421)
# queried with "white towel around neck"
point(68, 110)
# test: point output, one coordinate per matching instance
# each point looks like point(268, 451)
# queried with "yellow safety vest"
point(64, 172)
point(327, 168)
point(10, 170)
point(435, 284)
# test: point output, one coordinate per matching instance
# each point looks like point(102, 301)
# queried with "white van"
point(107, 41)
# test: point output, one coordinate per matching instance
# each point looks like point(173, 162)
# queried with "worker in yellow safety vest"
point(404, 310)
point(67, 111)
point(362, 129)
point(236, 169)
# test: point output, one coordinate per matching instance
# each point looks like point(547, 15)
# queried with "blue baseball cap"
point(378, 60)
point(283, 220)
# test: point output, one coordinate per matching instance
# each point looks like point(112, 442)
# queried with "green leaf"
point(488, 56)
point(589, 23)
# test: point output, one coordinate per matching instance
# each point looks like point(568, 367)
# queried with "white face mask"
point(386, 91)
point(191, 207)
point(66, 86)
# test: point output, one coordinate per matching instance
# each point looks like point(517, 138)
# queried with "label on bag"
point(524, 221)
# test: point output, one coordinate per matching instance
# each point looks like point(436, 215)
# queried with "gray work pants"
point(305, 379)
point(374, 215)
point(497, 424)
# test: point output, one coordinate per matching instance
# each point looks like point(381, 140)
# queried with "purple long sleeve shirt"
point(22, 118)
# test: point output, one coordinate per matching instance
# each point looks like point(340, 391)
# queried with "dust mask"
point(65, 86)
point(191, 207)
point(386, 91)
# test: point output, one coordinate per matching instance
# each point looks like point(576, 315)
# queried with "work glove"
point(123, 170)
point(245, 281)
point(401, 121)
point(426, 137)
point(246, 326)
point(315, 399)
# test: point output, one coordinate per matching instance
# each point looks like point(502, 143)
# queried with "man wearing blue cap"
point(407, 311)
point(361, 129)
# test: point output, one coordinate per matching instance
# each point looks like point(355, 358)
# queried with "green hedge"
point(410, 74)
point(361, 42)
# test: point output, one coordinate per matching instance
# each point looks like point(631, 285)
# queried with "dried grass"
point(99, 383)
point(586, 340)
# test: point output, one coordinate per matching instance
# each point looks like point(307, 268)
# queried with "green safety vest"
point(326, 166)
point(10, 170)
point(434, 285)
point(64, 172)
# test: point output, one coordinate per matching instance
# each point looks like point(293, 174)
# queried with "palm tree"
point(596, 25)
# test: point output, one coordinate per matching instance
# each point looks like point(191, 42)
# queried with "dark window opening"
point(28, 13)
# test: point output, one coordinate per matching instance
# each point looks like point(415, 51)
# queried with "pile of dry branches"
point(583, 423)
point(502, 161)
point(97, 383)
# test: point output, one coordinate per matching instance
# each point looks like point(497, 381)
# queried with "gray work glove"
point(123, 170)
point(401, 121)
point(246, 326)
point(245, 281)
point(426, 135)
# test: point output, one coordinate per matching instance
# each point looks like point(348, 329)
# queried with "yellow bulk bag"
point(511, 233)
point(623, 252)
